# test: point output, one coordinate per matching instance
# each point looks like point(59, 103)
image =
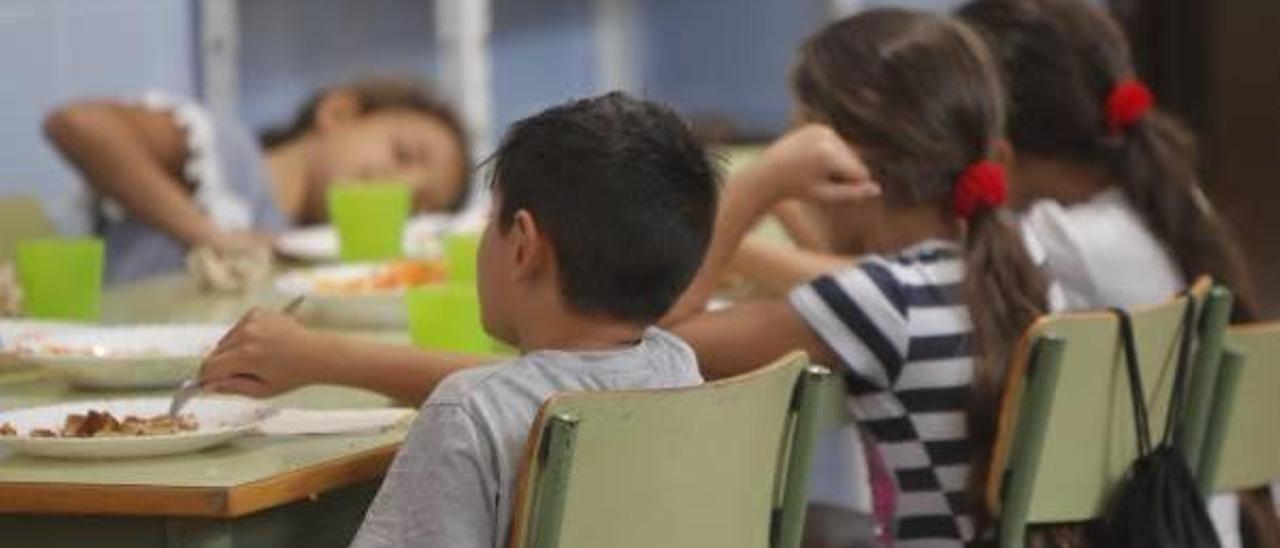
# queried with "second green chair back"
point(1066, 433)
point(1248, 454)
point(722, 465)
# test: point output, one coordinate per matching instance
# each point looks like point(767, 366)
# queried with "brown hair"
point(920, 97)
point(378, 95)
point(1062, 59)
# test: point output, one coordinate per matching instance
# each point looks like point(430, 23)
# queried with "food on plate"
point(94, 350)
point(102, 424)
point(389, 277)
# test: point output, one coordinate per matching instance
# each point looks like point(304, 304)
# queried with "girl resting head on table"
point(187, 177)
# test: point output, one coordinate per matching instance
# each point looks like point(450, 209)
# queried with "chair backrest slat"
point(1250, 453)
point(690, 467)
point(1224, 402)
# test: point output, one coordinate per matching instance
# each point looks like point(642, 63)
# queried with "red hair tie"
point(1129, 102)
point(980, 186)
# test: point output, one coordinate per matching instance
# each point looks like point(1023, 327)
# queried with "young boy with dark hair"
point(603, 210)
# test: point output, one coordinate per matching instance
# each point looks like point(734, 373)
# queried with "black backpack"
point(1158, 504)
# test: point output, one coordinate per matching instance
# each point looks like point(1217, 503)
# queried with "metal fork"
point(190, 387)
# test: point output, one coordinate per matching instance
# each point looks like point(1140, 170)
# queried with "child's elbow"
point(63, 124)
point(59, 124)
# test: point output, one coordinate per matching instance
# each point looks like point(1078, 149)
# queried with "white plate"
point(220, 419)
point(319, 244)
point(381, 309)
point(15, 332)
point(142, 356)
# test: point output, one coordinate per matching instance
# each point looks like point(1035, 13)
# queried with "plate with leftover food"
point(128, 428)
point(15, 332)
point(114, 357)
point(370, 294)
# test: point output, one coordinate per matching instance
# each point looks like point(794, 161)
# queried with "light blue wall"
point(543, 52)
point(56, 50)
point(726, 58)
point(914, 4)
point(709, 58)
point(291, 48)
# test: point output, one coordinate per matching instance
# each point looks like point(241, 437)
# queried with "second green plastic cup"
point(61, 278)
point(447, 317)
point(370, 219)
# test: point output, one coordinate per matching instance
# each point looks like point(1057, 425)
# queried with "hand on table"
point(813, 163)
point(265, 354)
point(231, 261)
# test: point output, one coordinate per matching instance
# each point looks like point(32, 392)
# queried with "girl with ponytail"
point(903, 114)
point(1107, 184)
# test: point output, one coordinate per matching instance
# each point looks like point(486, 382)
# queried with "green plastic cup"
point(460, 250)
point(447, 317)
point(61, 278)
point(370, 219)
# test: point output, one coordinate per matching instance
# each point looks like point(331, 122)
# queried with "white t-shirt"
point(1100, 253)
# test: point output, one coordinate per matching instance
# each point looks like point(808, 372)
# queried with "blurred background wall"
point(720, 61)
point(54, 50)
point(723, 63)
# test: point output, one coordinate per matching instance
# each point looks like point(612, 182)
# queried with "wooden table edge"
point(212, 502)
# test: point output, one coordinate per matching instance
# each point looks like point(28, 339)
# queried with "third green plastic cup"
point(370, 218)
point(447, 317)
point(61, 278)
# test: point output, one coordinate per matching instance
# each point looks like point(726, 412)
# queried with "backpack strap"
point(1183, 366)
point(1142, 430)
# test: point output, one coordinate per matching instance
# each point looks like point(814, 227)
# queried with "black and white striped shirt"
point(902, 332)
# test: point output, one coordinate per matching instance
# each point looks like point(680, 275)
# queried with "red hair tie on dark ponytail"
point(981, 186)
point(1129, 101)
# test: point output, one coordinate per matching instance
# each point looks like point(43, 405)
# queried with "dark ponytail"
point(1063, 60)
point(1156, 164)
point(1006, 293)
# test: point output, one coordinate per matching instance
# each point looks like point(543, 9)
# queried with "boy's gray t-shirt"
point(451, 485)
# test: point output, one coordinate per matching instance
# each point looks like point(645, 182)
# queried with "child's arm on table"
point(268, 353)
point(135, 157)
point(811, 163)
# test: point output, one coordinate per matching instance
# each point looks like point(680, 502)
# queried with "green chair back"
point(21, 217)
point(722, 465)
point(1065, 434)
point(1249, 454)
